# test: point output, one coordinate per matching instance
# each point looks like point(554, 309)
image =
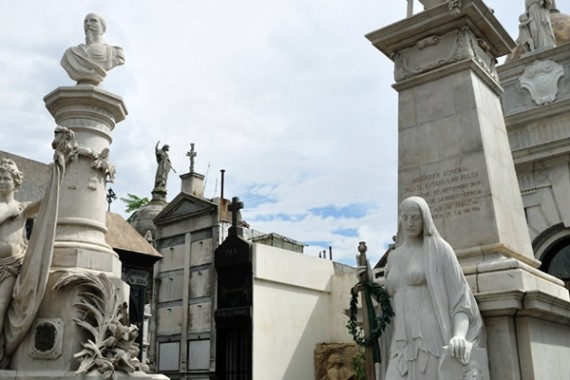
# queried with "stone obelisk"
point(454, 152)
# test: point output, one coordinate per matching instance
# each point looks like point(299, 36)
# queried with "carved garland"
point(466, 45)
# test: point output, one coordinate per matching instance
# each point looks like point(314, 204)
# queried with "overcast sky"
point(286, 95)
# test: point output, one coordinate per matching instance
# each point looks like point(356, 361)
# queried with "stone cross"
point(234, 208)
point(191, 154)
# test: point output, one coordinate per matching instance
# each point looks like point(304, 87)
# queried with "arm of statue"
point(459, 346)
point(156, 146)
point(32, 208)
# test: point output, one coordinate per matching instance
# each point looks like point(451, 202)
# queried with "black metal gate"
point(234, 350)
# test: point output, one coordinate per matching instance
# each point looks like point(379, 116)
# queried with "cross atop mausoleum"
point(191, 154)
point(234, 208)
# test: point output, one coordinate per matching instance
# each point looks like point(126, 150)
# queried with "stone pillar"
point(453, 146)
point(455, 153)
point(91, 113)
point(79, 247)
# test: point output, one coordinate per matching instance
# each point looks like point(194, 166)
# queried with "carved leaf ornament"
point(541, 78)
point(102, 315)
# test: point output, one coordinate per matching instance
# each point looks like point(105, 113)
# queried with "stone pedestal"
point(91, 113)
point(79, 247)
point(453, 146)
point(193, 183)
point(455, 153)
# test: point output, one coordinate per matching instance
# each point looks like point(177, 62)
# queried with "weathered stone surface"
point(324, 351)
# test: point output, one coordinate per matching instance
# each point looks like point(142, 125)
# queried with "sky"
point(287, 96)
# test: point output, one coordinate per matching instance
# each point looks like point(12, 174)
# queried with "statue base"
point(158, 196)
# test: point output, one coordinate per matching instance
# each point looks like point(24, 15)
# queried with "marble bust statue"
point(89, 62)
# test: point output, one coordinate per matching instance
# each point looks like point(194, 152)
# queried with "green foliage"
point(134, 202)
point(359, 365)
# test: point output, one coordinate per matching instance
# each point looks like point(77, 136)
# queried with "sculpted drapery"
point(540, 27)
point(430, 298)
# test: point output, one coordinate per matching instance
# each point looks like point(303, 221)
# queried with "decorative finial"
point(362, 247)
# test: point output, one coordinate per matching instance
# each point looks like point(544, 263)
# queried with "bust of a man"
point(89, 62)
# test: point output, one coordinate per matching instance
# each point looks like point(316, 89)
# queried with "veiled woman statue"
point(436, 314)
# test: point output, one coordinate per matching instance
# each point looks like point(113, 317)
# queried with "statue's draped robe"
point(447, 294)
point(31, 283)
point(540, 25)
point(164, 167)
point(84, 65)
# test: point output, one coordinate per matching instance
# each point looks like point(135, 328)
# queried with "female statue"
point(13, 242)
point(432, 302)
point(25, 265)
point(164, 166)
point(539, 24)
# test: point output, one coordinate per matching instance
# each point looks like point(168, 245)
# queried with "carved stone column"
point(79, 247)
point(91, 113)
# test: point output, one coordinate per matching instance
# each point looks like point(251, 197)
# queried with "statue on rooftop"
point(89, 62)
point(539, 24)
point(525, 40)
point(164, 166)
